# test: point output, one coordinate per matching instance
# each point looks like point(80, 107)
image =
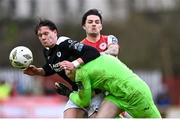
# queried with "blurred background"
point(149, 42)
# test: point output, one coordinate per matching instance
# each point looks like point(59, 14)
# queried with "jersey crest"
point(103, 46)
point(58, 54)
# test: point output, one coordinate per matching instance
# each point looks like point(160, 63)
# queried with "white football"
point(21, 57)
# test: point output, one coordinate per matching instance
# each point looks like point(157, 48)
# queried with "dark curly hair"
point(91, 12)
point(47, 23)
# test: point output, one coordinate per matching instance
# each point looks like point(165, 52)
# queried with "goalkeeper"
point(126, 90)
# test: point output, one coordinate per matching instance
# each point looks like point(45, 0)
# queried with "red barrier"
point(173, 84)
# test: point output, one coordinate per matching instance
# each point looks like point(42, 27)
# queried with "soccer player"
point(92, 24)
point(57, 49)
point(127, 91)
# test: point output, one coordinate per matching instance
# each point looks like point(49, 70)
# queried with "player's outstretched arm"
point(82, 97)
point(33, 70)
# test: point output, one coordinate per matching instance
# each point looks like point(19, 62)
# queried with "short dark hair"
point(47, 23)
point(91, 12)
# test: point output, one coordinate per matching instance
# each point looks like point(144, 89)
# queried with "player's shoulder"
point(62, 39)
point(112, 39)
point(108, 36)
point(104, 36)
point(84, 40)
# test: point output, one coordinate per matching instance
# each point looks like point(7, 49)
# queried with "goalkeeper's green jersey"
point(108, 73)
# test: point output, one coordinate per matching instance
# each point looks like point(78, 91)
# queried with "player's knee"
point(74, 113)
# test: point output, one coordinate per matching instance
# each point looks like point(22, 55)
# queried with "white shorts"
point(94, 106)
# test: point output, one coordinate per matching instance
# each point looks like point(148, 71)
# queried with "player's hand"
point(67, 65)
point(30, 70)
point(33, 70)
point(62, 89)
point(70, 74)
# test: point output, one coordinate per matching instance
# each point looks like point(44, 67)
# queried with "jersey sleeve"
point(87, 53)
point(111, 39)
point(113, 46)
point(82, 97)
point(48, 70)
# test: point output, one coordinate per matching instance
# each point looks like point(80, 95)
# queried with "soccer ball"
point(21, 57)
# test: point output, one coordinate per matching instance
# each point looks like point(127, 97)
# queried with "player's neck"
point(93, 38)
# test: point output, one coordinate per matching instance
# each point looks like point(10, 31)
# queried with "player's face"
point(47, 37)
point(93, 25)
